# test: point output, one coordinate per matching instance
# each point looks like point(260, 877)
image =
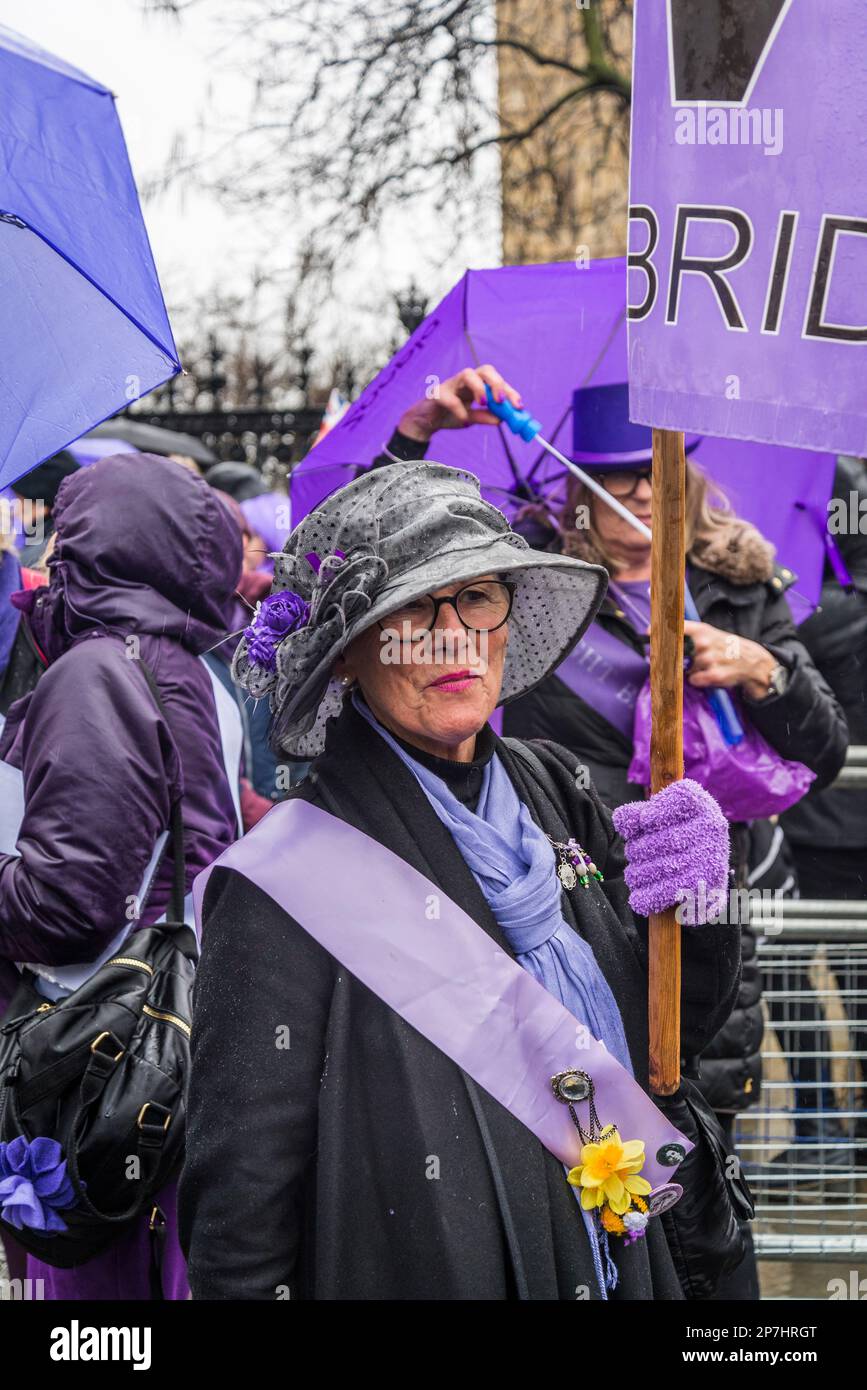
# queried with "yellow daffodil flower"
point(608, 1173)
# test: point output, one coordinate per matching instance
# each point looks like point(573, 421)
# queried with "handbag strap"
point(540, 775)
point(529, 758)
point(179, 886)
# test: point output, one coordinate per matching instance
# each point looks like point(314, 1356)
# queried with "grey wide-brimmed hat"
point(387, 538)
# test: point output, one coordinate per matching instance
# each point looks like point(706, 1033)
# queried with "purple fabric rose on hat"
point(276, 617)
point(34, 1184)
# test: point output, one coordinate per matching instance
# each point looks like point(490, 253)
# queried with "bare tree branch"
point(355, 111)
point(463, 109)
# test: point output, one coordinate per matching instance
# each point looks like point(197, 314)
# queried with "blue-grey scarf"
point(514, 864)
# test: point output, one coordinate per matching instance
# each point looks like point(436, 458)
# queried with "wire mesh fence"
point(804, 1147)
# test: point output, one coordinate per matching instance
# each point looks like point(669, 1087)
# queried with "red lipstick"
point(454, 680)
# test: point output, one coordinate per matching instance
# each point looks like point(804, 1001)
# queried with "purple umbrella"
point(85, 326)
point(551, 329)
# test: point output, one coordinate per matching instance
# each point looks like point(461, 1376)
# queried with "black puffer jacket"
point(729, 1070)
point(805, 723)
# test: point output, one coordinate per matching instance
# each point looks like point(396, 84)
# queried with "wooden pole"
point(668, 562)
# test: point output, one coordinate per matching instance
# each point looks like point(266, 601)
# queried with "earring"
point(346, 681)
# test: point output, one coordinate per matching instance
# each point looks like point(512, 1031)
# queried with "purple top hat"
point(603, 434)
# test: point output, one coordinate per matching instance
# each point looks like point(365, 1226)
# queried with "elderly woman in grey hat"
point(420, 1032)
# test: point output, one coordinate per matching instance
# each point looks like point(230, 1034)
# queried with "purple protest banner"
point(748, 220)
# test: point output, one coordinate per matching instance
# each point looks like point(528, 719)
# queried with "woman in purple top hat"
point(587, 704)
point(359, 1126)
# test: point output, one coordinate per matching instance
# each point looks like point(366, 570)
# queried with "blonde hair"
point(704, 523)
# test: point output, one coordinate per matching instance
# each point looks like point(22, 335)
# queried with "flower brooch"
point(608, 1180)
point(608, 1175)
point(282, 613)
point(574, 865)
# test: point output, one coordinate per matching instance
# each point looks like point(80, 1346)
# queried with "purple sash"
point(399, 934)
point(607, 673)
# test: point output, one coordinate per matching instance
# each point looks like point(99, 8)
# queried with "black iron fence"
point(250, 434)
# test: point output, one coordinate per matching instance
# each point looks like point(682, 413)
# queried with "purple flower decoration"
point(34, 1184)
point(277, 616)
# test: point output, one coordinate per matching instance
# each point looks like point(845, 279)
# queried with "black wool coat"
point(360, 1162)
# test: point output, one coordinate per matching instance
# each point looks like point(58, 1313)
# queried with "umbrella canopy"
point(550, 329)
point(153, 439)
point(84, 323)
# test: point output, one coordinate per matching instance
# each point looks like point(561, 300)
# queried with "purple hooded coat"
point(146, 549)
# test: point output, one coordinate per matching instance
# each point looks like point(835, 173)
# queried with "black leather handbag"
point(103, 1072)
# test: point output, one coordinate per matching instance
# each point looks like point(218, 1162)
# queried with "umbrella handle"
point(731, 727)
point(520, 422)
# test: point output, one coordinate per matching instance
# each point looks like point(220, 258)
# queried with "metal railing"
point(804, 1147)
point(854, 771)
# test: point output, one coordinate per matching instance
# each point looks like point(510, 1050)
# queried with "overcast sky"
point(164, 76)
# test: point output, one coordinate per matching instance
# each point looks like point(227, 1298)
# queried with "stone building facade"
point(564, 187)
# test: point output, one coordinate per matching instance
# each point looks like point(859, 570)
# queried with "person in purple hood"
point(144, 570)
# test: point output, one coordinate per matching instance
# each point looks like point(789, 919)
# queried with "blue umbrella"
point(85, 329)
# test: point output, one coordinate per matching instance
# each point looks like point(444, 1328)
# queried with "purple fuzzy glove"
point(675, 841)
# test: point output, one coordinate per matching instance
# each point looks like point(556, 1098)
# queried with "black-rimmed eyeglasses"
point(623, 482)
point(482, 607)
